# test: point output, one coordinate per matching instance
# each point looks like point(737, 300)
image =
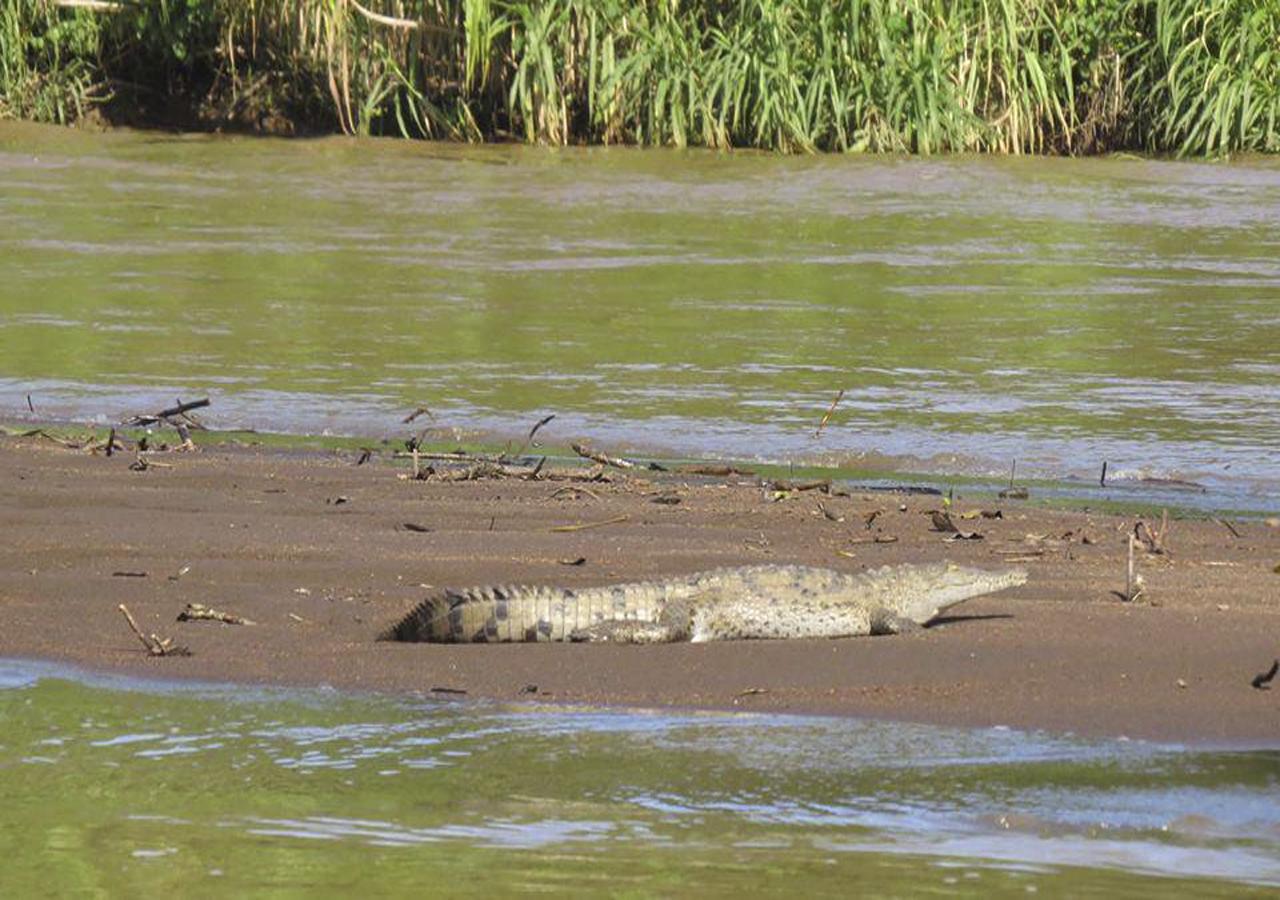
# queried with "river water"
point(973, 310)
point(113, 787)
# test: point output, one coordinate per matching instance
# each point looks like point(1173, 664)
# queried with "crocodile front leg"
point(886, 621)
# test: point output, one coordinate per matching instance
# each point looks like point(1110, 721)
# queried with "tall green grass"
point(925, 76)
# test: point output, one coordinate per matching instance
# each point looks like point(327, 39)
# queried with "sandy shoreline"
point(261, 534)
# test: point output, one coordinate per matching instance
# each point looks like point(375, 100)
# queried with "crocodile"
point(763, 601)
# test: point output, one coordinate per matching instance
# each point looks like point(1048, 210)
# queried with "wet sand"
point(264, 534)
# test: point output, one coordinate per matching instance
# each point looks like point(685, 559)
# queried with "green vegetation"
point(1011, 76)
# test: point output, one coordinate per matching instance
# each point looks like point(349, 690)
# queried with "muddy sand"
point(316, 551)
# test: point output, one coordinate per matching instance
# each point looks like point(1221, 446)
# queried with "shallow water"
point(1060, 312)
point(115, 786)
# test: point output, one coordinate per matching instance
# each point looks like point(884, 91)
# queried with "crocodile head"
point(931, 589)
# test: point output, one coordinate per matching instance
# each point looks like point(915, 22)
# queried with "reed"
point(924, 76)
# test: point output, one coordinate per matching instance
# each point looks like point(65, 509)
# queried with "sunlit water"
point(974, 311)
point(113, 786)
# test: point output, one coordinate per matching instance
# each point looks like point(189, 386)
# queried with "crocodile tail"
point(428, 621)
point(495, 613)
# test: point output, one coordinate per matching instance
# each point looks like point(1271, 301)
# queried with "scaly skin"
point(722, 604)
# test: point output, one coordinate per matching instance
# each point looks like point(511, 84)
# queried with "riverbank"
point(323, 554)
point(1015, 77)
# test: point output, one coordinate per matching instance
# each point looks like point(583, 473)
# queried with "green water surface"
point(113, 788)
point(973, 310)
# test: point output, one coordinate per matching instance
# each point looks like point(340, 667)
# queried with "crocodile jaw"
point(949, 584)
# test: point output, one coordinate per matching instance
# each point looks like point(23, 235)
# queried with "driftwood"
point(198, 612)
point(585, 525)
point(1153, 538)
point(602, 458)
point(716, 471)
point(181, 409)
point(821, 485)
point(156, 645)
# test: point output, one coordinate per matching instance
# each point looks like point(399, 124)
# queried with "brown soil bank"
point(315, 550)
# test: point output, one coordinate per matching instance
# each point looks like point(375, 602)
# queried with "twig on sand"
point(823, 485)
point(575, 491)
point(156, 645)
point(1153, 539)
point(1227, 525)
point(199, 612)
point(1133, 584)
point(828, 514)
point(450, 456)
point(141, 463)
point(714, 471)
point(603, 458)
point(1262, 681)
point(582, 526)
point(184, 434)
point(68, 443)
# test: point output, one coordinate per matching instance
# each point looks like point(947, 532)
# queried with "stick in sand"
point(528, 441)
point(1133, 587)
point(1128, 579)
point(585, 525)
point(602, 458)
point(830, 410)
point(195, 612)
point(156, 645)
